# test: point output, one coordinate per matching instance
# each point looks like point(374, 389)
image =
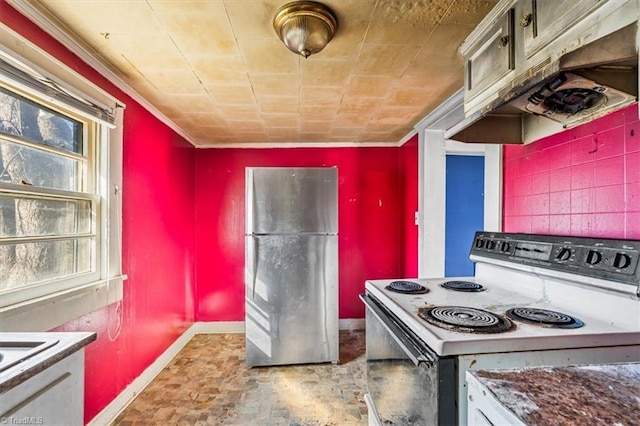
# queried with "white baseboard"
point(351, 324)
point(238, 326)
point(216, 327)
point(111, 411)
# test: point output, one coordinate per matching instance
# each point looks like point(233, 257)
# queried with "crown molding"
point(448, 113)
point(278, 145)
point(47, 23)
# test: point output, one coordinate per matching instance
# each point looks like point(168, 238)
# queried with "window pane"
point(22, 164)
point(29, 263)
point(21, 117)
point(29, 217)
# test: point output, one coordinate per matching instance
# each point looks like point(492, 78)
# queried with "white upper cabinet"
point(522, 42)
point(542, 21)
point(492, 57)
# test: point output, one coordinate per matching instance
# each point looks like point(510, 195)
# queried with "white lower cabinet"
point(53, 397)
point(484, 409)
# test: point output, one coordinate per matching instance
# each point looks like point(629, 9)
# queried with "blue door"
point(464, 211)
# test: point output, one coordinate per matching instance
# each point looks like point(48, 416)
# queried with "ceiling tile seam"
point(357, 58)
point(299, 83)
point(396, 84)
point(364, 37)
point(446, 13)
point(244, 62)
point(177, 46)
point(191, 67)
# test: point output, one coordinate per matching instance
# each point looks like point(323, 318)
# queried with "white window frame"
point(92, 141)
point(78, 295)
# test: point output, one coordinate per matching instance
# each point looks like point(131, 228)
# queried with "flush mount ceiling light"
point(305, 27)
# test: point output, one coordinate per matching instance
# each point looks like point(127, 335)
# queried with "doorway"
point(464, 211)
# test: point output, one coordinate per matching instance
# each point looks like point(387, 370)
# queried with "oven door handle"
point(406, 342)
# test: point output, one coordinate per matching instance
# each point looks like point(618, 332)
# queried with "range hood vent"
point(582, 85)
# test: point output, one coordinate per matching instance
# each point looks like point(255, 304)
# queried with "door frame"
point(433, 147)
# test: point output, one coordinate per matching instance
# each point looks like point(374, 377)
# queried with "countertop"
point(578, 395)
point(67, 344)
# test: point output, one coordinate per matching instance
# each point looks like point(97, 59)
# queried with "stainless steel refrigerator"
point(291, 266)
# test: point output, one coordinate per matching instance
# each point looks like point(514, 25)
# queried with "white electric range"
point(533, 301)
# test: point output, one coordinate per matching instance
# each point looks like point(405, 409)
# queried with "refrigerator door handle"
point(249, 200)
point(252, 252)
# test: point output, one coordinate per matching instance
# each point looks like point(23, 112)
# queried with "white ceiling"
point(218, 71)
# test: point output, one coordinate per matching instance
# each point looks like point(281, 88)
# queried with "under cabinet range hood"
point(554, 90)
point(571, 99)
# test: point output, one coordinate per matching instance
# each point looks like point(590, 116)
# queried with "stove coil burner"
point(543, 317)
point(466, 320)
point(467, 286)
point(407, 287)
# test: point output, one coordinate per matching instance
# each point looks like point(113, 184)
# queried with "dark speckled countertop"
point(577, 395)
point(67, 343)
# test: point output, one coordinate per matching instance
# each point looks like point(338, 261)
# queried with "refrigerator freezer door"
point(291, 299)
point(292, 200)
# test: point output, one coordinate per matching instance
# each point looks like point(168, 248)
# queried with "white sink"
point(15, 351)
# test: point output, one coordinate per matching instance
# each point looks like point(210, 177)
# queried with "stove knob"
point(563, 255)
point(621, 261)
point(491, 244)
point(505, 247)
point(594, 257)
point(479, 243)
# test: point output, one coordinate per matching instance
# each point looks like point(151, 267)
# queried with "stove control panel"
point(611, 259)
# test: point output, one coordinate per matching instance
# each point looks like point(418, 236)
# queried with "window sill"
point(45, 313)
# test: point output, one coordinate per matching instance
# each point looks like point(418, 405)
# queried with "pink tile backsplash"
point(584, 150)
point(632, 196)
point(632, 164)
point(584, 181)
point(632, 221)
point(609, 143)
point(582, 175)
point(540, 183)
point(632, 137)
point(559, 202)
point(558, 179)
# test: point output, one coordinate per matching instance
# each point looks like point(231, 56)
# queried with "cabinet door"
point(492, 57)
point(52, 397)
point(544, 20)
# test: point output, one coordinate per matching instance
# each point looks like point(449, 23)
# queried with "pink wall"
point(158, 242)
point(409, 188)
point(370, 214)
point(584, 181)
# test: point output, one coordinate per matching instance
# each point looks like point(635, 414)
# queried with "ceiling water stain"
point(466, 12)
point(419, 13)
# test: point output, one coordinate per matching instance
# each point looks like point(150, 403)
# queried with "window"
point(48, 198)
point(60, 191)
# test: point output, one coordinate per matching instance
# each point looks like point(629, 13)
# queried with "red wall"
point(158, 243)
point(584, 181)
point(409, 188)
point(369, 221)
point(172, 212)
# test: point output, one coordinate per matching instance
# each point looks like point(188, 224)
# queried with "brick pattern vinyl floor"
point(208, 383)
